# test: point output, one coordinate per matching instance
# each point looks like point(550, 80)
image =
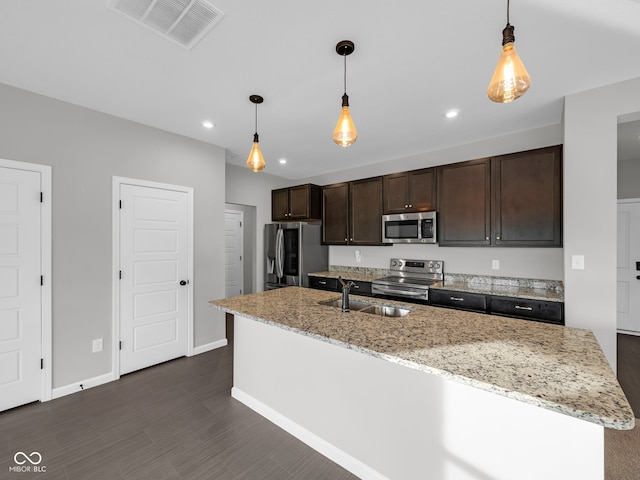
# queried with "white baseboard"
point(346, 461)
point(210, 346)
point(81, 385)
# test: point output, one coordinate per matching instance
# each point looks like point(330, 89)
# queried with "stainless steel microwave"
point(409, 228)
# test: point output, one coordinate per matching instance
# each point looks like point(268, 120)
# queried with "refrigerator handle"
point(279, 253)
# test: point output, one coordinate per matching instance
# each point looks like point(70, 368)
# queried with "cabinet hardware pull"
point(355, 286)
point(497, 238)
point(345, 240)
point(410, 206)
point(406, 206)
point(321, 282)
point(457, 299)
point(518, 307)
point(487, 238)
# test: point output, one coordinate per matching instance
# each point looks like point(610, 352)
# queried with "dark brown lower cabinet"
point(548, 312)
point(459, 300)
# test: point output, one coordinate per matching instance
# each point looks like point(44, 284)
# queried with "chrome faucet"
point(346, 288)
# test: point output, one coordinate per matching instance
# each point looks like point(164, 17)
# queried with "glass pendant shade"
point(510, 79)
point(255, 162)
point(345, 133)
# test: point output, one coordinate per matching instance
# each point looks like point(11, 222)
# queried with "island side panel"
point(382, 420)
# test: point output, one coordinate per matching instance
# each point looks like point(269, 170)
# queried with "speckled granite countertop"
point(557, 368)
point(545, 290)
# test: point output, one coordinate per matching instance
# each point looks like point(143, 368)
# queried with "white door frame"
point(45, 267)
point(115, 289)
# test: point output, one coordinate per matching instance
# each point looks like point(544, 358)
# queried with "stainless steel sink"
point(370, 308)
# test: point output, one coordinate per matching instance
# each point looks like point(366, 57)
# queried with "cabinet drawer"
point(550, 312)
point(324, 283)
point(360, 287)
point(461, 300)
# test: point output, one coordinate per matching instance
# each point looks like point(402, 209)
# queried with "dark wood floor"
point(172, 421)
point(629, 369)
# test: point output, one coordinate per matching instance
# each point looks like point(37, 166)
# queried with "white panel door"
point(233, 246)
point(20, 288)
point(628, 288)
point(154, 280)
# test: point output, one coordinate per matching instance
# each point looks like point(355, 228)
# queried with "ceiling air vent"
point(184, 22)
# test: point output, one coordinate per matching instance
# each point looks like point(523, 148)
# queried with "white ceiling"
point(413, 61)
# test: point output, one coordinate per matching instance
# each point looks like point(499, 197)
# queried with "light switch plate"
point(577, 262)
point(495, 264)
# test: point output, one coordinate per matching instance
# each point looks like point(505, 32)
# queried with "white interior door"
point(628, 288)
point(233, 247)
point(154, 283)
point(20, 287)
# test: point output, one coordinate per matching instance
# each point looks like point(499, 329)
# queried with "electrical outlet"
point(97, 345)
point(495, 264)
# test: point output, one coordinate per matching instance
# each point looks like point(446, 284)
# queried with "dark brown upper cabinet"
point(464, 203)
point(365, 212)
point(527, 198)
point(510, 200)
point(299, 203)
point(413, 191)
point(335, 214)
point(352, 213)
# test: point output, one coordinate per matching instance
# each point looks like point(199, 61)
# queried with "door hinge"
point(120, 345)
point(42, 364)
point(41, 280)
point(240, 257)
point(120, 274)
point(41, 197)
point(120, 204)
point(240, 223)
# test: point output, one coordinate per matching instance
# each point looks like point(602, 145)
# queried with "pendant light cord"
point(507, 12)
point(256, 118)
point(345, 74)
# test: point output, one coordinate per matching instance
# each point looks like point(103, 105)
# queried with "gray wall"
point(245, 187)
point(629, 179)
point(86, 149)
point(248, 245)
point(590, 192)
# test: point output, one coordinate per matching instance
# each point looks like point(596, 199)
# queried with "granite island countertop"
point(557, 368)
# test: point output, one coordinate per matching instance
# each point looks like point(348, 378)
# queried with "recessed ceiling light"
point(451, 113)
point(207, 124)
point(283, 161)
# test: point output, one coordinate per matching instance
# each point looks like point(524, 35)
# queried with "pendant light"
point(510, 79)
point(255, 161)
point(345, 133)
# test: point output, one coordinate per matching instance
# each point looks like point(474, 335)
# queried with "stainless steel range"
point(409, 279)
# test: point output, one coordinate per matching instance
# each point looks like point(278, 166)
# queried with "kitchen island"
point(435, 394)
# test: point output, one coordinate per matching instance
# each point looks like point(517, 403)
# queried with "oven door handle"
point(407, 293)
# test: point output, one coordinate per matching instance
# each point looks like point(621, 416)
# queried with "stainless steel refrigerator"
point(292, 250)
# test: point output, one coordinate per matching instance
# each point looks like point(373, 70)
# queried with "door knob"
point(183, 282)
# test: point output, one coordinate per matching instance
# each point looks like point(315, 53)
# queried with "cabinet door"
point(396, 190)
point(280, 204)
point(464, 203)
point(299, 202)
point(335, 214)
point(528, 198)
point(422, 190)
point(365, 212)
